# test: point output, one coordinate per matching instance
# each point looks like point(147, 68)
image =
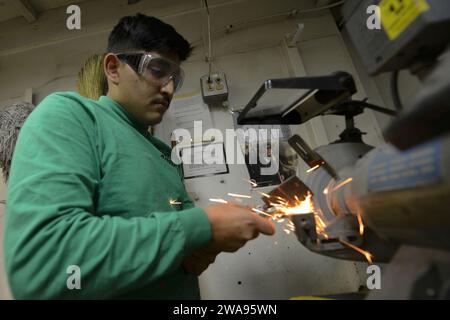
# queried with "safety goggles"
point(159, 69)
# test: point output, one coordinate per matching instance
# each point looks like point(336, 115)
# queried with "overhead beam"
point(26, 10)
point(100, 16)
point(321, 3)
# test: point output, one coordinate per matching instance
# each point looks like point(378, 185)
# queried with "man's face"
point(143, 96)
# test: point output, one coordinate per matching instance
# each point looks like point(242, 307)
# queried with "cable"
point(394, 90)
point(209, 40)
point(329, 6)
point(379, 109)
point(364, 104)
point(290, 13)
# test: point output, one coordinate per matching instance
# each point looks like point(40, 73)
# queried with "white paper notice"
point(206, 160)
point(182, 113)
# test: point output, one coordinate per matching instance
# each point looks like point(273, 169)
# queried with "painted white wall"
point(278, 267)
point(267, 268)
point(46, 56)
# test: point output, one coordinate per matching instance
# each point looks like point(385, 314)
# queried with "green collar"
point(115, 107)
point(123, 114)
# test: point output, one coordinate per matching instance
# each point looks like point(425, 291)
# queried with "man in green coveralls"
point(91, 188)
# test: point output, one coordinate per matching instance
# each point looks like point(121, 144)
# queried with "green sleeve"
point(51, 222)
point(187, 201)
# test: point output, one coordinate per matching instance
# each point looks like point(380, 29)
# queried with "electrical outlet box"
point(214, 88)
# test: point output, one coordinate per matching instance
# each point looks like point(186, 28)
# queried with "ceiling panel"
point(9, 11)
point(44, 5)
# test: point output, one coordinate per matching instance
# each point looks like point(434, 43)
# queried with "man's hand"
point(233, 225)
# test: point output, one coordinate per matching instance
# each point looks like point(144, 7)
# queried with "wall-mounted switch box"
point(214, 88)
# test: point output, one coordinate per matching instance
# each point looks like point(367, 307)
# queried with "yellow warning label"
point(397, 15)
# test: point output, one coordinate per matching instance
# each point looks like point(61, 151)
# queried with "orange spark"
point(343, 183)
point(366, 254)
point(280, 199)
point(361, 224)
point(218, 200)
point(252, 183)
point(301, 207)
point(277, 216)
point(313, 168)
point(320, 225)
point(239, 195)
point(261, 212)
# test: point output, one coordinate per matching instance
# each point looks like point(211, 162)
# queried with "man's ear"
point(111, 66)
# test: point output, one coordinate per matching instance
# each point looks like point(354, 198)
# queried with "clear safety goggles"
point(159, 69)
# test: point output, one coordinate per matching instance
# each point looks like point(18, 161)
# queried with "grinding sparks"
point(252, 183)
point(290, 226)
point(366, 254)
point(218, 200)
point(239, 195)
point(278, 204)
point(361, 224)
point(343, 183)
point(280, 199)
point(173, 202)
point(320, 226)
point(301, 207)
point(280, 208)
point(313, 168)
point(261, 212)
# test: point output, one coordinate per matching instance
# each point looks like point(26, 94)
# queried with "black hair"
point(141, 32)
